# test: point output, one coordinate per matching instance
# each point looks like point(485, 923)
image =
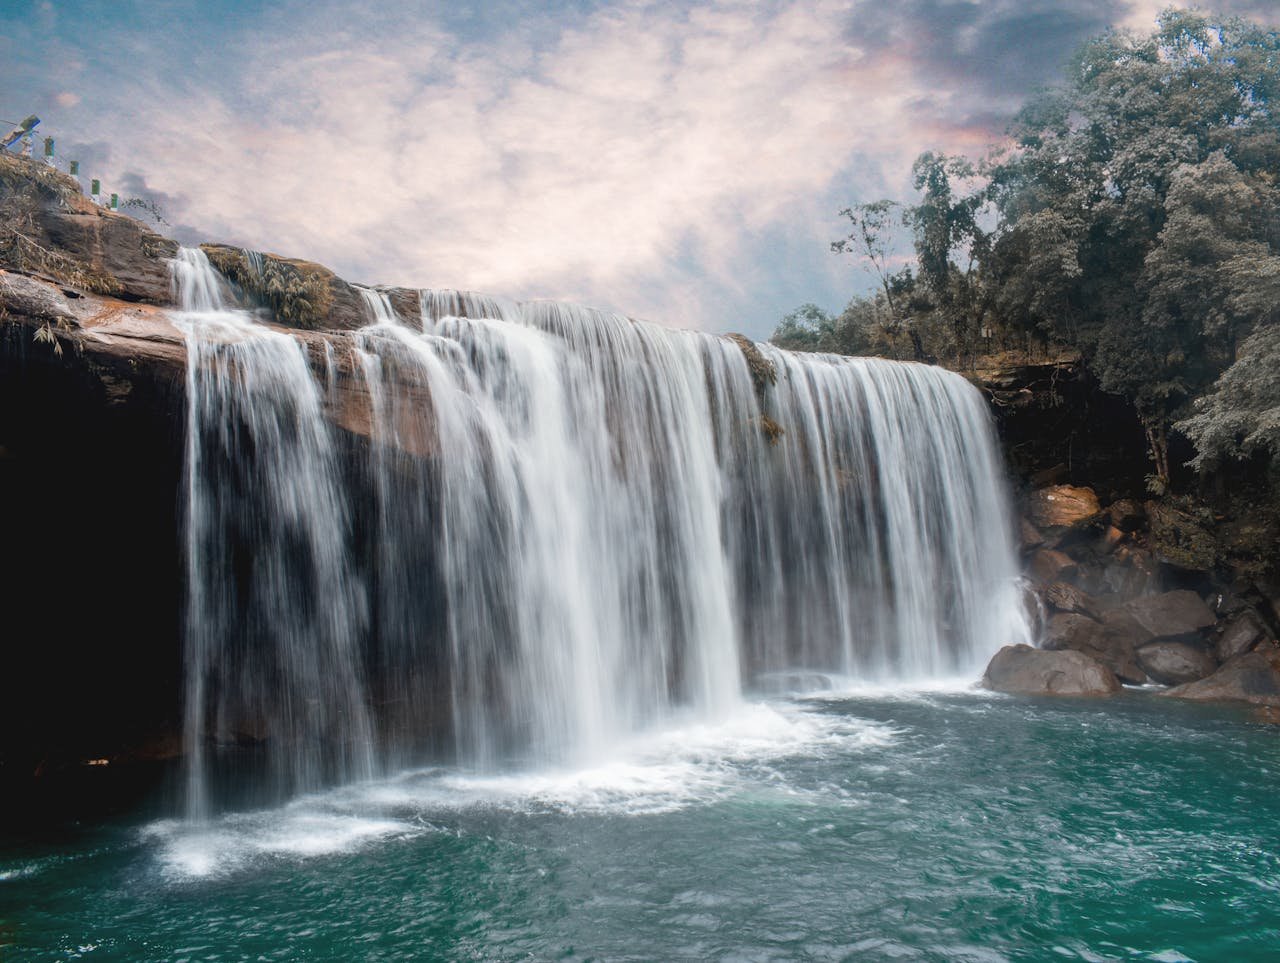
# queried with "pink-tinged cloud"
point(598, 168)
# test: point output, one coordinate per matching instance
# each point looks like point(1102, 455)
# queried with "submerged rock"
point(1253, 677)
point(1022, 670)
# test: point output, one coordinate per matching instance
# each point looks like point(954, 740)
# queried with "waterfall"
point(536, 528)
point(274, 617)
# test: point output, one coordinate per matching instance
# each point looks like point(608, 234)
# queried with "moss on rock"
point(298, 293)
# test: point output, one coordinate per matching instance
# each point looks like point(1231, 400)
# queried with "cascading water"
point(273, 618)
point(562, 526)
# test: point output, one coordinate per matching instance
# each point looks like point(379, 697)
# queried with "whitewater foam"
point(689, 763)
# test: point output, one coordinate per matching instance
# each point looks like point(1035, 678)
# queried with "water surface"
point(931, 826)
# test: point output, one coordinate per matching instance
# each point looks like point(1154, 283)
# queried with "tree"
point(871, 240)
point(1240, 418)
point(807, 328)
point(1139, 193)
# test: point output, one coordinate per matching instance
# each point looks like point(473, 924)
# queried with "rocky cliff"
point(92, 420)
point(1174, 591)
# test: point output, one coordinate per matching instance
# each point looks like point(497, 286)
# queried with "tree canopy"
point(1135, 219)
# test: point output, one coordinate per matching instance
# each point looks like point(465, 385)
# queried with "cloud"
point(635, 150)
point(66, 99)
point(677, 161)
point(1141, 15)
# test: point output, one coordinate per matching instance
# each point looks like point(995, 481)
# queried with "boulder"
point(1112, 537)
point(1062, 506)
point(1181, 537)
point(1171, 614)
point(1127, 514)
point(299, 293)
point(1111, 641)
point(1241, 634)
point(1029, 535)
point(1048, 565)
point(1131, 571)
point(1175, 663)
point(1022, 670)
point(119, 247)
point(1121, 637)
point(1069, 630)
point(1270, 592)
point(33, 299)
point(1050, 476)
point(1253, 677)
point(1068, 598)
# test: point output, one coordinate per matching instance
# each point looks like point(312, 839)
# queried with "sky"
point(679, 162)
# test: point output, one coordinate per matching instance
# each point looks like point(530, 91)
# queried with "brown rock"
point(1127, 514)
point(1069, 630)
point(1111, 642)
point(1268, 715)
point(299, 293)
point(1175, 663)
point(1121, 636)
point(1030, 535)
point(1113, 537)
point(1181, 538)
point(1049, 476)
point(118, 247)
point(1253, 677)
point(1241, 634)
point(1067, 598)
point(1022, 670)
point(1049, 565)
point(1171, 614)
point(1131, 571)
point(33, 299)
point(407, 305)
point(1062, 506)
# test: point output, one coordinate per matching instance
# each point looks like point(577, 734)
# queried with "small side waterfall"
point(274, 618)
point(557, 526)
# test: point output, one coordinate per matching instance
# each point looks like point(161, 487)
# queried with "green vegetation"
point(1135, 221)
point(297, 292)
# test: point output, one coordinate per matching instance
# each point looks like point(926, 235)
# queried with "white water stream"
point(565, 527)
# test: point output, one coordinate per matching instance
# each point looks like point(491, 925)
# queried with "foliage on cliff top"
point(298, 293)
point(20, 253)
point(763, 373)
point(23, 174)
point(1136, 220)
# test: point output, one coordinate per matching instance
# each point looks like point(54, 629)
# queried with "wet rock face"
point(1023, 670)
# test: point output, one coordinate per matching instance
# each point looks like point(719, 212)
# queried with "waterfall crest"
point(562, 525)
